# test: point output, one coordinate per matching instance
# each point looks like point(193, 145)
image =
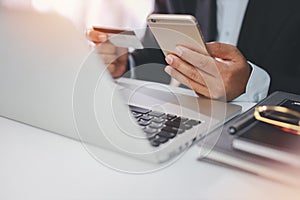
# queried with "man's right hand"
point(115, 58)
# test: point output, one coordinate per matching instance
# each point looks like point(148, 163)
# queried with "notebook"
point(270, 141)
point(250, 148)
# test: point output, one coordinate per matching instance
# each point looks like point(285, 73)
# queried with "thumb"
point(223, 51)
point(96, 36)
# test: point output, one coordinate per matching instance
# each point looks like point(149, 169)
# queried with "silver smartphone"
point(171, 30)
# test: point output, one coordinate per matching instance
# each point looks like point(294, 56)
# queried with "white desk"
point(36, 164)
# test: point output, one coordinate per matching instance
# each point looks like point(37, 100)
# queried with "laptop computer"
point(50, 79)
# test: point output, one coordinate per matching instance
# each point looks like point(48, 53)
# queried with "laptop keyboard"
point(161, 127)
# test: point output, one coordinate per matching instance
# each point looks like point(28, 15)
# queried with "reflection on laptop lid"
point(50, 79)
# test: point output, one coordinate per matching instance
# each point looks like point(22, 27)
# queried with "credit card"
point(121, 38)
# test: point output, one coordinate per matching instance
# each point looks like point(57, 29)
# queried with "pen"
point(240, 124)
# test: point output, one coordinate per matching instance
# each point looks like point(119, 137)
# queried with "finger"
point(187, 69)
point(120, 51)
point(96, 36)
point(223, 51)
point(119, 70)
point(114, 57)
point(106, 48)
point(123, 58)
point(116, 69)
point(201, 61)
point(176, 75)
point(111, 68)
point(109, 58)
point(199, 88)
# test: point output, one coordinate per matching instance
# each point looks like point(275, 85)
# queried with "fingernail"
point(169, 59)
point(102, 37)
point(168, 69)
point(179, 50)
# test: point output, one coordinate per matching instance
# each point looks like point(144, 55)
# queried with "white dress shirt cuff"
point(131, 65)
point(257, 86)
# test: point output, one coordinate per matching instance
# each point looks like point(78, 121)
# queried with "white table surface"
point(36, 164)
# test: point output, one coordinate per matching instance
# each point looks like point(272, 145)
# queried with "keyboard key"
point(186, 126)
point(167, 134)
point(170, 116)
point(192, 122)
point(172, 130)
point(139, 109)
point(136, 115)
point(146, 118)
point(156, 114)
point(149, 130)
point(164, 117)
point(154, 143)
point(150, 136)
point(173, 124)
point(156, 125)
point(158, 120)
point(144, 123)
point(161, 140)
point(180, 119)
point(178, 124)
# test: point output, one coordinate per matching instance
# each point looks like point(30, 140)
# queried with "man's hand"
point(114, 57)
point(222, 74)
